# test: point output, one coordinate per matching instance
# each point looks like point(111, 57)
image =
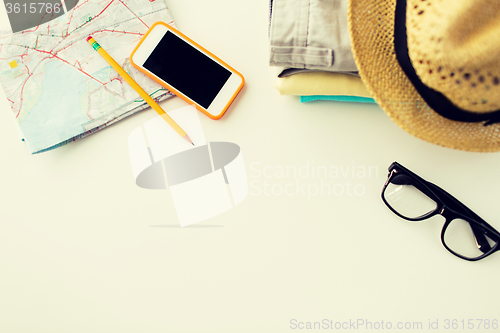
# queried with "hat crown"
point(454, 46)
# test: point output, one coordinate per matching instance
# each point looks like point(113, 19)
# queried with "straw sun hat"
point(433, 66)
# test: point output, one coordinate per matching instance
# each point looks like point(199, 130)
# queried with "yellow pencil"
point(138, 88)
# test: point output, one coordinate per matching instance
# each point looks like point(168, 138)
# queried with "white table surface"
point(83, 249)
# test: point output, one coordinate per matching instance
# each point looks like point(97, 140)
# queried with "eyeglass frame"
point(450, 208)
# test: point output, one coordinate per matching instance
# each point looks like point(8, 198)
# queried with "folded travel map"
point(59, 89)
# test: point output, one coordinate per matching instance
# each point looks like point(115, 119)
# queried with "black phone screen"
point(186, 69)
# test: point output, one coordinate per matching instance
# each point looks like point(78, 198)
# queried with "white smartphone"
point(187, 69)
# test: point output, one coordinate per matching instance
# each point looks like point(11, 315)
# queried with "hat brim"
point(371, 26)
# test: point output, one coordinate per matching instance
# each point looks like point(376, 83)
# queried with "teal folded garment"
point(338, 98)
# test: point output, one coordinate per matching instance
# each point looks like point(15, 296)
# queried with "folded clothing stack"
point(310, 45)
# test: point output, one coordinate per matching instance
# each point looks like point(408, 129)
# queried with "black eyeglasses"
point(464, 234)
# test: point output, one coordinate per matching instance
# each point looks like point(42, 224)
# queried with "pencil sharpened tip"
point(186, 137)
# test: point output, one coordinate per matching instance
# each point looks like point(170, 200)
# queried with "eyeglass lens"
point(459, 238)
point(406, 199)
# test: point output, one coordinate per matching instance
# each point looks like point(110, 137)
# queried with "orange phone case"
point(181, 95)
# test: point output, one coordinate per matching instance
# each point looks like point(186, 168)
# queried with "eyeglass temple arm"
point(403, 179)
point(454, 204)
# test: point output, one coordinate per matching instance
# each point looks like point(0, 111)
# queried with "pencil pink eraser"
point(88, 38)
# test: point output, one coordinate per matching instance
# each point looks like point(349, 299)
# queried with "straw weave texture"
point(454, 46)
point(371, 25)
